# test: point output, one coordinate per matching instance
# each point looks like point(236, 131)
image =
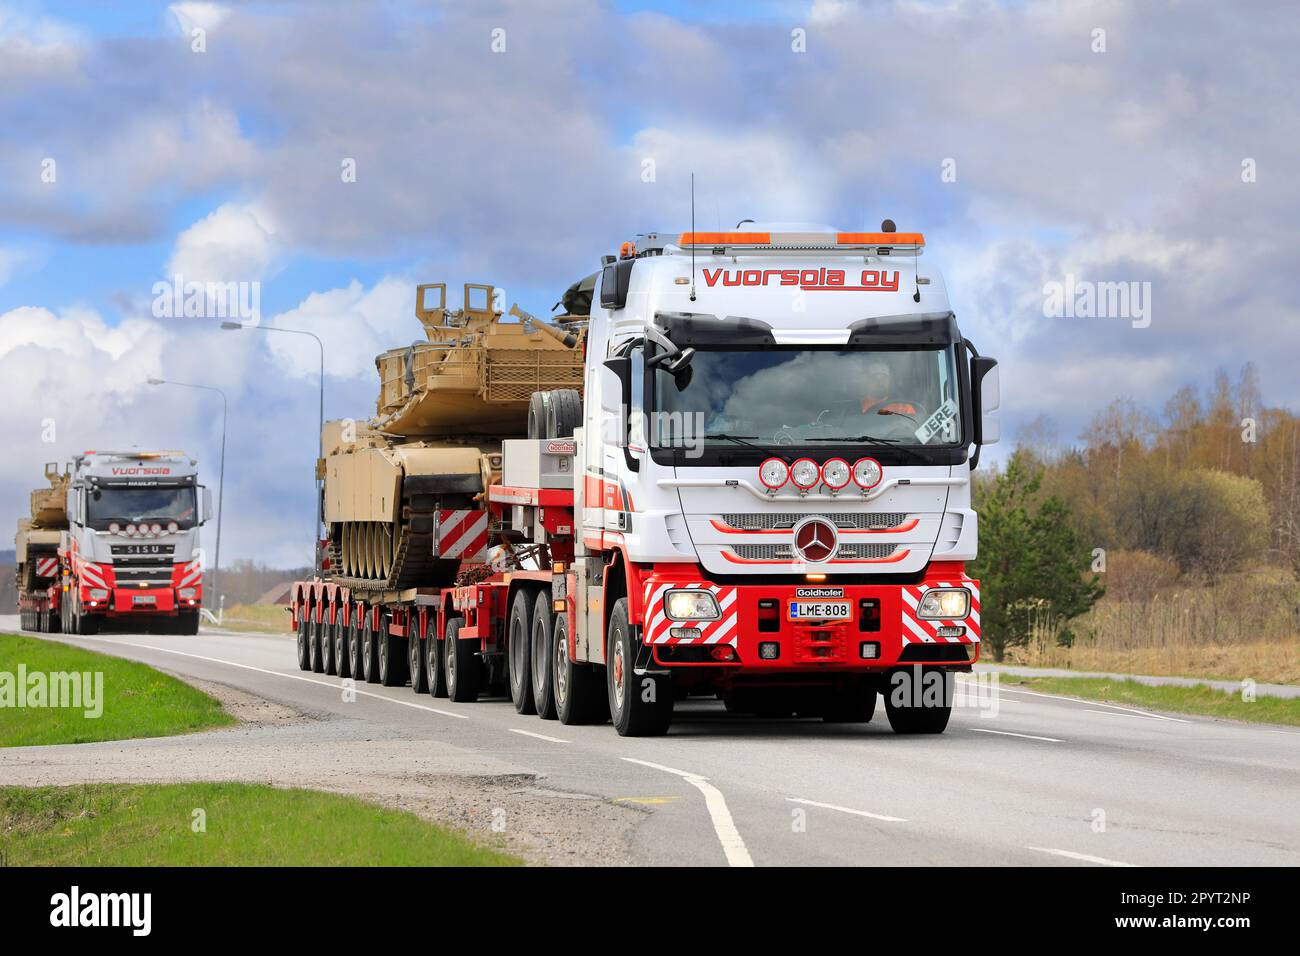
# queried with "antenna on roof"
point(692, 237)
point(888, 226)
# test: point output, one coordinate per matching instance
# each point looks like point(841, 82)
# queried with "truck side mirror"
point(615, 399)
point(207, 503)
point(986, 391)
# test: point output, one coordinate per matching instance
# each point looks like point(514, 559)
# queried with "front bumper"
point(756, 631)
point(140, 601)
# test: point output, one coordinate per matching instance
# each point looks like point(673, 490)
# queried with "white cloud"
point(234, 243)
point(203, 16)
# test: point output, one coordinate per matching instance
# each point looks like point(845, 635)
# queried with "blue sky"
point(522, 167)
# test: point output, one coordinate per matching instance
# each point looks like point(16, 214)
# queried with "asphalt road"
point(1036, 779)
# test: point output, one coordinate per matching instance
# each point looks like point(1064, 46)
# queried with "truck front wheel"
point(919, 701)
point(640, 705)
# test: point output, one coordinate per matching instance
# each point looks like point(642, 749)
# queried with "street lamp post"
point(221, 480)
point(320, 426)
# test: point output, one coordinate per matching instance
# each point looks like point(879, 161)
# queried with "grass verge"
point(1200, 700)
point(220, 824)
point(268, 618)
point(130, 699)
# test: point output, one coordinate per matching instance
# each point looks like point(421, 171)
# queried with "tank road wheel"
point(563, 413)
point(460, 664)
point(391, 654)
point(358, 667)
point(317, 660)
point(540, 653)
point(416, 664)
point(435, 676)
point(639, 705)
point(914, 710)
point(519, 647)
point(579, 692)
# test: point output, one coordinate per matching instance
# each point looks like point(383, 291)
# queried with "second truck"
point(739, 465)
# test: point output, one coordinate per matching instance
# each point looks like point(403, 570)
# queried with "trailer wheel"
point(563, 413)
point(518, 650)
point(358, 667)
point(435, 677)
point(392, 656)
point(639, 705)
point(460, 665)
point(912, 710)
point(416, 660)
point(52, 623)
point(317, 639)
point(342, 666)
point(304, 641)
point(855, 704)
point(540, 655)
point(369, 652)
point(580, 696)
point(327, 646)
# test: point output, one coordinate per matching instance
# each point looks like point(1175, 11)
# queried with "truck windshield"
point(161, 503)
point(811, 396)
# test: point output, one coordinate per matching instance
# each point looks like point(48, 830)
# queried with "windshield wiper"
point(877, 440)
point(740, 440)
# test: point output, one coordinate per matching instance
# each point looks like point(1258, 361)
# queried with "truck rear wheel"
point(580, 696)
point(540, 654)
point(392, 655)
point(914, 710)
point(435, 674)
point(519, 635)
point(460, 665)
point(639, 705)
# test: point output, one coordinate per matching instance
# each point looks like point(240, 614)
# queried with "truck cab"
point(779, 432)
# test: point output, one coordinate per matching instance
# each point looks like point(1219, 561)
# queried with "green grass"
point(246, 825)
point(1201, 700)
point(137, 701)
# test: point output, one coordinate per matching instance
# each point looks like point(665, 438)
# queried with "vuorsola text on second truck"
point(761, 490)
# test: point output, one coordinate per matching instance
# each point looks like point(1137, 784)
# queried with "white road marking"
point(1007, 733)
point(263, 670)
point(1080, 700)
point(529, 733)
point(733, 847)
point(856, 813)
point(1135, 713)
point(1068, 854)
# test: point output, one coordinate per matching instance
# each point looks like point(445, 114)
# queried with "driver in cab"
point(878, 399)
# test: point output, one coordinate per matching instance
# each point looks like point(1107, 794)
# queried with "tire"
point(369, 652)
point(435, 673)
point(563, 413)
point(460, 665)
point(317, 661)
point(416, 663)
point(907, 715)
point(187, 623)
point(579, 692)
point(304, 643)
point(327, 646)
point(537, 414)
point(390, 654)
point(358, 656)
point(342, 665)
point(855, 704)
point(519, 643)
point(639, 706)
point(542, 661)
point(53, 625)
point(87, 624)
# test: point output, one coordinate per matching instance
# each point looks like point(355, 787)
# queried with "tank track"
point(414, 563)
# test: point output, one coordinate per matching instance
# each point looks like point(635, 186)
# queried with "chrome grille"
point(769, 521)
point(132, 567)
point(783, 552)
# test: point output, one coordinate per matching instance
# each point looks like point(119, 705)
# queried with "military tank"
point(36, 551)
point(404, 494)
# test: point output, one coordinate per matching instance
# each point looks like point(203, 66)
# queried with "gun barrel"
point(567, 339)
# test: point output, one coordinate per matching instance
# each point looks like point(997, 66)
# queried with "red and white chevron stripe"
point(92, 575)
point(462, 534)
point(658, 628)
point(46, 567)
point(190, 574)
point(926, 631)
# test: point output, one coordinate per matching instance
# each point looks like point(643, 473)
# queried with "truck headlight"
point(185, 592)
point(944, 603)
point(98, 594)
point(691, 606)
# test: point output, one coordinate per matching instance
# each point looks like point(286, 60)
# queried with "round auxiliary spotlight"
point(867, 473)
point(773, 473)
point(805, 473)
point(836, 473)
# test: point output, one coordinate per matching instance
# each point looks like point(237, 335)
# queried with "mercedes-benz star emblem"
point(816, 540)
